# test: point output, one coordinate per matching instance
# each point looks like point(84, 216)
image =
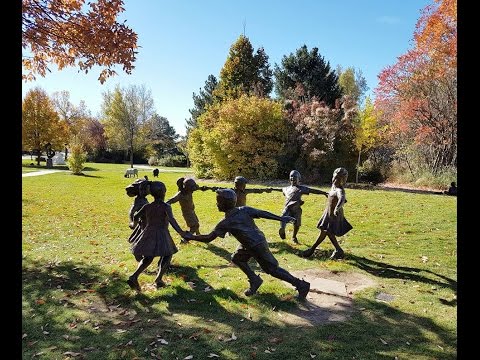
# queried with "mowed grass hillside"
point(76, 259)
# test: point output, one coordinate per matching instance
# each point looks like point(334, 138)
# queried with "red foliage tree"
point(418, 94)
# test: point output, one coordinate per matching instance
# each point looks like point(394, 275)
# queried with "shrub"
point(172, 161)
point(152, 161)
point(76, 159)
point(371, 172)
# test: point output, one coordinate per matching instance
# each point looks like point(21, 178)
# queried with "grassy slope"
point(76, 260)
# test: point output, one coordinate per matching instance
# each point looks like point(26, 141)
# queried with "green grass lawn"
point(76, 259)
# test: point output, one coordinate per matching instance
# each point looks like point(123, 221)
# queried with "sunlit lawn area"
point(76, 259)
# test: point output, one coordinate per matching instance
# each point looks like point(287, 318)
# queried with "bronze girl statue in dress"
point(333, 222)
point(153, 237)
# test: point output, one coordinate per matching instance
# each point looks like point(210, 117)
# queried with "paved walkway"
point(40, 172)
point(50, 171)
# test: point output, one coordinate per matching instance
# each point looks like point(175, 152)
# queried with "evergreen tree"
point(309, 71)
point(244, 72)
point(200, 101)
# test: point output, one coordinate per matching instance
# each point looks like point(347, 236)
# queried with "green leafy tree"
point(77, 158)
point(161, 136)
point(126, 110)
point(244, 72)
point(239, 136)
point(40, 123)
point(201, 101)
point(309, 71)
point(352, 83)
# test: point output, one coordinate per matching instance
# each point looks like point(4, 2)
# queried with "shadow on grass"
point(386, 270)
point(283, 246)
point(88, 175)
point(219, 251)
point(77, 309)
point(370, 187)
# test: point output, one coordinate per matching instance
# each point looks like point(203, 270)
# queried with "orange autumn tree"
point(418, 94)
point(70, 33)
point(41, 124)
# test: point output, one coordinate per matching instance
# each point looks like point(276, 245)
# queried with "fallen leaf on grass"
point(275, 340)
point(231, 338)
point(71, 353)
point(194, 336)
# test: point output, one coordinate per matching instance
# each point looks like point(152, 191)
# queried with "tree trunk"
point(131, 157)
point(409, 167)
point(358, 165)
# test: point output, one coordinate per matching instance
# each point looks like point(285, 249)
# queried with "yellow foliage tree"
point(244, 136)
point(68, 33)
point(367, 130)
point(77, 158)
point(40, 123)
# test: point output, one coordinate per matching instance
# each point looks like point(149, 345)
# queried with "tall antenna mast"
point(244, 25)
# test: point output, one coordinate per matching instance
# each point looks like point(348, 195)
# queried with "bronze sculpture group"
point(151, 238)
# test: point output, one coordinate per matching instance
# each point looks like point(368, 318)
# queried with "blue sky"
point(182, 42)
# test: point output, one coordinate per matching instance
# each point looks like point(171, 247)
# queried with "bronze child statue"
point(154, 238)
point(184, 196)
point(239, 222)
point(240, 184)
point(139, 189)
point(333, 222)
point(293, 203)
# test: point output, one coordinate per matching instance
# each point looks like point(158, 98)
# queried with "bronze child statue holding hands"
point(184, 196)
point(139, 189)
point(293, 203)
point(239, 222)
point(333, 222)
point(154, 238)
point(240, 189)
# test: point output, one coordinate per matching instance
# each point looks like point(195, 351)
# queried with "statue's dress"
point(336, 225)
